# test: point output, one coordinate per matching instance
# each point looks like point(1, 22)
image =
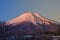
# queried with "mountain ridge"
point(30, 22)
point(33, 17)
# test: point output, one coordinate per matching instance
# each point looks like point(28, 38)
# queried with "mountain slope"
point(29, 16)
point(23, 17)
point(30, 22)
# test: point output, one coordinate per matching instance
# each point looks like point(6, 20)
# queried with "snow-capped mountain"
point(31, 21)
point(31, 17)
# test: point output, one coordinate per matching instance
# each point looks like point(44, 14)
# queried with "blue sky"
point(11, 8)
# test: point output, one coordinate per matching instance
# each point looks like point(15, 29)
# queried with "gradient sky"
point(11, 8)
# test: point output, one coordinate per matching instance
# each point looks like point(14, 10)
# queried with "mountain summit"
point(31, 17)
point(30, 22)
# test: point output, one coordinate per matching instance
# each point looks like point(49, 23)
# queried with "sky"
point(11, 8)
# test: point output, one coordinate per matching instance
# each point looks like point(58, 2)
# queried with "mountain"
point(29, 16)
point(27, 23)
point(30, 22)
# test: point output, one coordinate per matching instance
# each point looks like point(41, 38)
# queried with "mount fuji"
point(30, 22)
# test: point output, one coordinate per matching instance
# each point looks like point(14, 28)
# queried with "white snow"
point(29, 16)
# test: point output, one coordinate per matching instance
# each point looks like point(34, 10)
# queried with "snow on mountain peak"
point(24, 17)
point(33, 17)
